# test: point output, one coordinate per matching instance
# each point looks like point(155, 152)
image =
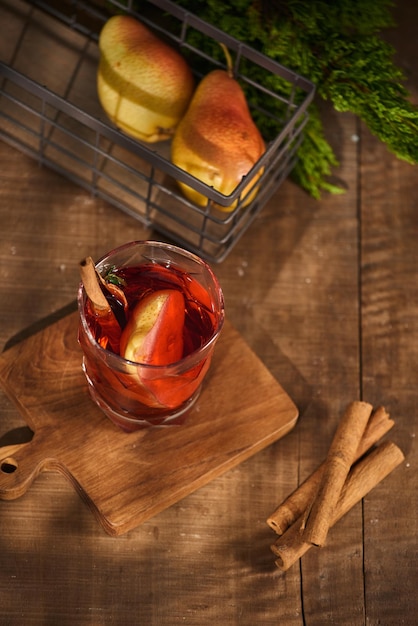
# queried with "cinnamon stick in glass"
point(338, 462)
point(99, 306)
point(297, 502)
point(92, 287)
point(363, 477)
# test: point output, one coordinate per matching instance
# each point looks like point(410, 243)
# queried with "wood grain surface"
point(325, 293)
point(127, 478)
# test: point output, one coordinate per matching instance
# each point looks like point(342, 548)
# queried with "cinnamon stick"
point(338, 462)
point(92, 286)
point(297, 502)
point(100, 307)
point(363, 477)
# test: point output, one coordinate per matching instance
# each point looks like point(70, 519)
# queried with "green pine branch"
point(337, 45)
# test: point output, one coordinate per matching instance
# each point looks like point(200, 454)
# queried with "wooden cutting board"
point(125, 478)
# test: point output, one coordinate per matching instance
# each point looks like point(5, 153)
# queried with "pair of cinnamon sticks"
point(348, 473)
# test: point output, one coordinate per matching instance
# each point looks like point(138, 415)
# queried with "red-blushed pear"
point(217, 140)
point(154, 332)
point(144, 85)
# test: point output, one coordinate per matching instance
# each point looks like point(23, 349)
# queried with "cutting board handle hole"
point(8, 466)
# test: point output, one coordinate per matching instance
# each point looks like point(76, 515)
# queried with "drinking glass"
point(134, 394)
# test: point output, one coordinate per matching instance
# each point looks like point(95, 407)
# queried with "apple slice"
point(154, 332)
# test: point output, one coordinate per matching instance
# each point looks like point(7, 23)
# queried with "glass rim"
point(158, 244)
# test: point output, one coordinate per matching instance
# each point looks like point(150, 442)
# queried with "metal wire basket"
point(49, 109)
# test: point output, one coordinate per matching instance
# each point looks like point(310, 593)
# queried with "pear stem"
point(228, 60)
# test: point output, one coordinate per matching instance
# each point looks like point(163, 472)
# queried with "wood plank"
point(389, 348)
point(389, 237)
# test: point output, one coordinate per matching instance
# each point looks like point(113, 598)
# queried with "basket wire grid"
point(49, 109)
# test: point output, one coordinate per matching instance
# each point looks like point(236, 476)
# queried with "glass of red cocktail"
point(146, 360)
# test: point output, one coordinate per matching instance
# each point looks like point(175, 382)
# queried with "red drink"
point(134, 394)
point(137, 282)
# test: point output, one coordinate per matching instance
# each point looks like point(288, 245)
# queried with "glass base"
point(128, 423)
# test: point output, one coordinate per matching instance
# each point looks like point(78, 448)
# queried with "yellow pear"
point(144, 85)
point(217, 140)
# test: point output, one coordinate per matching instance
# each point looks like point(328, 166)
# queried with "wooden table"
point(326, 294)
